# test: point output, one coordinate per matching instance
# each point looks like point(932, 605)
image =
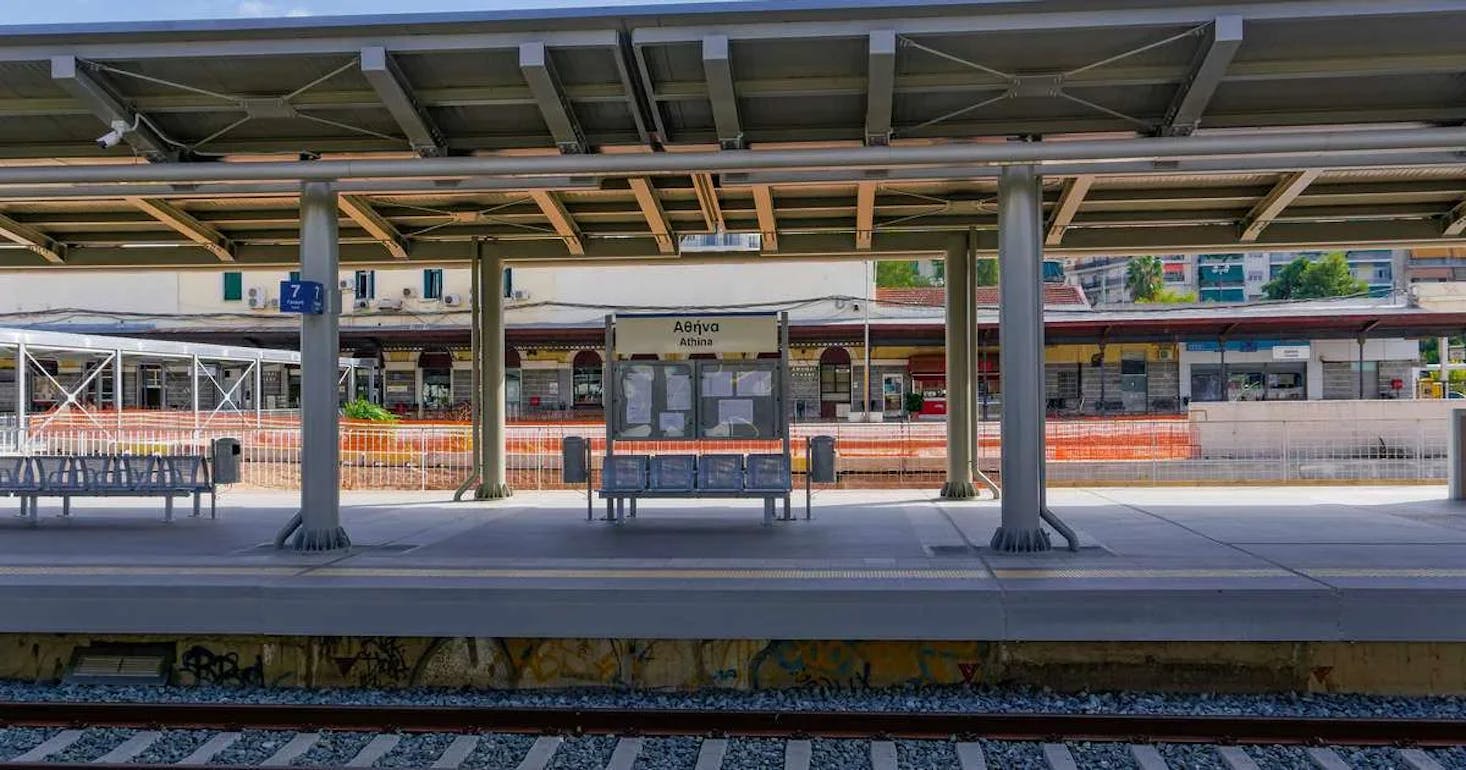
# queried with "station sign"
point(691, 333)
point(305, 297)
point(1291, 352)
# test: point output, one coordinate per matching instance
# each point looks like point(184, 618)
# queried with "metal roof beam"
point(555, 211)
point(880, 87)
point(656, 216)
point(865, 215)
point(1456, 220)
point(1223, 38)
point(707, 200)
point(717, 66)
point(33, 239)
point(392, 89)
point(109, 108)
point(1283, 193)
point(361, 211)
point(555, 108)
point(768, 220)
point(1069, 201)
point(204, 235)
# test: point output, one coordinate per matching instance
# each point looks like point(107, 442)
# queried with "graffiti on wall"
point(201, 665)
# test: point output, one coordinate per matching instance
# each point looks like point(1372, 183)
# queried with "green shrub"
point(362, 409)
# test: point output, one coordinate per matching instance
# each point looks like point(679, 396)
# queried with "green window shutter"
point(233, 287)
point(295, 275)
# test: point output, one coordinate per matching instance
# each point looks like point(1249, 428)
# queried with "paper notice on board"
point(717, 384)
point(672, 424)
point(735, 411)
point(679, 392)
point(756, 384)
point(638, 394)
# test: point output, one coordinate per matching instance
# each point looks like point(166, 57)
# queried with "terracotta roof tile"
point(1055, 295)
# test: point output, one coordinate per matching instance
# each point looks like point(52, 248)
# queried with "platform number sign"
point(308, 297)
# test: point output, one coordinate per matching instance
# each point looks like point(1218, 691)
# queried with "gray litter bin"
point(822, 459)
point(573, 460)
point(228, 456)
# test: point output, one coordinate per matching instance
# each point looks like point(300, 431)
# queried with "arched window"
point(437, 379)
point(585, 380)
point(834, 380)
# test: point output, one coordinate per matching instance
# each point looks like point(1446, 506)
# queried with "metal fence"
point(1080, 452)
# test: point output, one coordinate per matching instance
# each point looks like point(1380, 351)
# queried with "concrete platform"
point(1158, 564)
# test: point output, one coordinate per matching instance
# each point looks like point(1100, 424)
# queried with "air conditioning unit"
point(452, 300)
point(389, 303)
point(1165, 354)
point(521, 294)
point(346, 285)
point(258, 297)
point(274, 304)
point(721, 243)
point(409, 293)
point(362, 304)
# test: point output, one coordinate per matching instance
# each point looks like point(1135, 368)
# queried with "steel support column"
point(960, 385)
point(494, 475)
point(320, 349)
point(22, 398)
point(1021, 360)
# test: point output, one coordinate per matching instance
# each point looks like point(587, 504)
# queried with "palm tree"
point(1144, 278)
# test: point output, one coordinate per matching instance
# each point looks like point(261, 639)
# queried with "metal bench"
point(628, 478)
point(166, 476)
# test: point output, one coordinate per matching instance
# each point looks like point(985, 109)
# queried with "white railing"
point(1162, 451)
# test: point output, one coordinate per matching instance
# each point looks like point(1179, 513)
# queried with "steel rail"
point(849, 724)
point(1325, 143)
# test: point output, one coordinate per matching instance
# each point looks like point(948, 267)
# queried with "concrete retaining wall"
point(395, 662)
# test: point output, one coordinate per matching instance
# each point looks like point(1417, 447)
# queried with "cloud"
point(262, 9)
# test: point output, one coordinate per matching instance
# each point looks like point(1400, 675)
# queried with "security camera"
point(114, 137)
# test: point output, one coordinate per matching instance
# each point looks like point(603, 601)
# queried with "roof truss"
point(100, 100)
point(717, 68)
point(183, 222)
point(768, 219)
point(1223, 38)
point(1456, 220)
point(656, 216)
point(555, 211)
point(361, 211)
point(36, 241)
point(392, 89)
point(549, 95)
point(880, 87)
point(1075, 189)
point(1283, 194)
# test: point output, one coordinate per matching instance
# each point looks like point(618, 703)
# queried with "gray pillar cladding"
point(960, 385)
point(494, 475)
point(320, 450)
point(1021, 360)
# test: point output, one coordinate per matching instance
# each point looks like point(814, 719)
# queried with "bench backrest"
point(16, 473)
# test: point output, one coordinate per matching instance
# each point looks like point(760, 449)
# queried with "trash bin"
point(822, 459)
point(228, 456)
point(573, 460)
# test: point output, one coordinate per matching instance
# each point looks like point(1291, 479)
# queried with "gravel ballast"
point(173, 746)
point(252, 748)
point(755, 754)
point(1014, 755)
point(92, 744)
point(926, 755)
point(420, 750)
point(15, 741)
point(498, 752)
point(585, 752)
point(668, 754)
point(931, 699)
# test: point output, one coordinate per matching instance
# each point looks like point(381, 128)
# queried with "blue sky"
point(56, 11)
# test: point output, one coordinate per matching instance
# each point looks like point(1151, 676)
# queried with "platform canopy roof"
point(583, 134)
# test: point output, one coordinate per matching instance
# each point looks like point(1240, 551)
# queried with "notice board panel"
point(739, 400)
point(654, 400)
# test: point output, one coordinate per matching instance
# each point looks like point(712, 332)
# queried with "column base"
point(317, 540)
point(958, 490)
point(1021, 541)
point(493, 492)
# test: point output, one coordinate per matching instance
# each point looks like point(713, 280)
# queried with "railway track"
point(102, 735)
